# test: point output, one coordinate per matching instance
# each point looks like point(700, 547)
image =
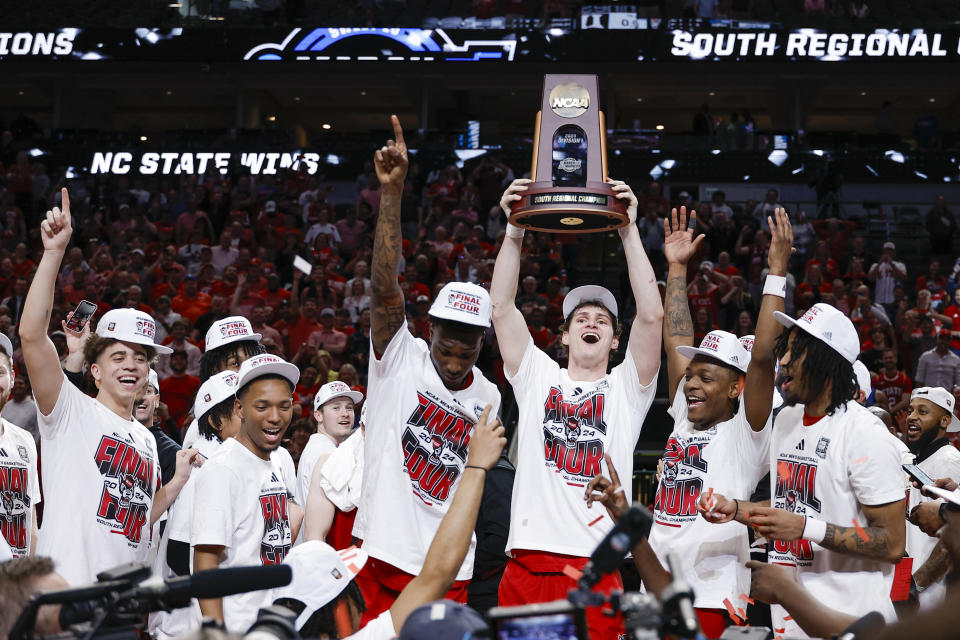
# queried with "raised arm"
point(644, 344)
point(679, 246)
point(386, 299)
point(39, 353)
point(452, 540)
point(508, 322)
point(758, 390)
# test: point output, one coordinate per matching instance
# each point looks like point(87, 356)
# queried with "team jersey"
point(417, 437)
point(895, 387)
point(319, 444)
point(943, 463)
point(19, 487)
point(240, 503)
point(730, 458)
point(100, 475)
point(565, 427)
point(827, 470)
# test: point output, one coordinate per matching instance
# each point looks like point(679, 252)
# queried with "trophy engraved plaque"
point(569, 193)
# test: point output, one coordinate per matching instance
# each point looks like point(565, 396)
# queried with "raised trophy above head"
point(569, 193)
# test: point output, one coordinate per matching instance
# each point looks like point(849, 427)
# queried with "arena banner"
point(674, 41)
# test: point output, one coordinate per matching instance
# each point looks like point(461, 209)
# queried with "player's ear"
point(946, 419)
point(615, 344)
point(565, 338)
point(238, 409)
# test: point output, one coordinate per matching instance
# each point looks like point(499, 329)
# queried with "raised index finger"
point(64, 200)
point(397, 130)
point(614, 478)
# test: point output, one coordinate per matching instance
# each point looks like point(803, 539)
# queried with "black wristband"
point(943, 507)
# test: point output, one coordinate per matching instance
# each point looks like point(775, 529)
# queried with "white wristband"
point(814, 530)
point(514, 232)
point(775, 286)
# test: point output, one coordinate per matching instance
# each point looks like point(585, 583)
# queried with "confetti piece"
point(743, 614)
point(783, 470)
point(860, 532)
point(759, 542)
point(709, 493)
point(780, 630)
point(572, 572)
point(731, 611)
point(747, 598)
point(590, 524)
point(861, 460)
point(785, 618)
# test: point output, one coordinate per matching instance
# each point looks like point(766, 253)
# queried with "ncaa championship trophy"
point(569, 193)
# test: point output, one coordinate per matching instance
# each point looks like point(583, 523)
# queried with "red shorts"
point(533, 576)
point(381, 583)
point(712, 621)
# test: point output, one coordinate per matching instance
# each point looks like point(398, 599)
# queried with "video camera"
point(114, 607)
point(644, 617)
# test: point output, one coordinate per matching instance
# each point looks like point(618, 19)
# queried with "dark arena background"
point(265, 115)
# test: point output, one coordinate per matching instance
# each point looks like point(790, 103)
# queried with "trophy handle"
point(603, 144)
point(536, 146)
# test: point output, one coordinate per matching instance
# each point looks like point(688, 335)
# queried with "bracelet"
point(775, 286)
point(814, 530)
point(514, 231)
point(473, 466)
point(736, 503)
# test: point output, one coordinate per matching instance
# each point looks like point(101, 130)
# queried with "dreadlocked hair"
point(215, 360)
point(322, 622)
point(823, 367)
point(209, 423)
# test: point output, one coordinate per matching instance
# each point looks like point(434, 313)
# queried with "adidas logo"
point(828, 335)
point(800, 446)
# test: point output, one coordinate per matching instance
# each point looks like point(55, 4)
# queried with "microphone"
point(864, 627)
point(213, 583)
point(677, 599)
point(632, 527)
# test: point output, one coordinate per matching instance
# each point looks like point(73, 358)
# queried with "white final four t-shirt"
point(19, 487)
point(827, 470)
point(730, 458)
point(240, 503)
point(565, 427)
point(100, 475)
point(319, 445)
point(417, 436)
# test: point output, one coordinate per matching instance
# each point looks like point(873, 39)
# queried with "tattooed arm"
point(386, 300)
point(936, 566)
point(38, 351)
point(679, 247)
point(882, 539)
point(758, 390)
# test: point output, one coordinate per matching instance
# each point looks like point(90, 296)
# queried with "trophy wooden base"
point(594, 208)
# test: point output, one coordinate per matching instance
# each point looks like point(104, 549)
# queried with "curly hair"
point(823, 367)
point(209, 423)
point(322, 622)
point(215, 360)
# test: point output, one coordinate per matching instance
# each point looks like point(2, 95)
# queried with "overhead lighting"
point(639, 99)
point(659, 127)
point(920, 175)
point(326, 125)
point(271, 118)
point(168, 92)
point(933, 99)
point(777, 157)
point(863, 93)
point(36, 153)
point(894, 156)
point(715, 152)
point(20, 93)
point(712, 93)
point(746, 177)
point(143, 138)
point(872, 170)
point(296, 98)
point(363, 93)
point(818, 152)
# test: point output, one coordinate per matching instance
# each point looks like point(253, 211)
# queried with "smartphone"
point(81, 316)
point(917, 474)
point(302, 265)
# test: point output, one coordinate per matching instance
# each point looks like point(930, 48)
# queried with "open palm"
point(679, 243)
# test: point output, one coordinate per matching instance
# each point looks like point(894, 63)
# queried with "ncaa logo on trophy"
point(569, 193)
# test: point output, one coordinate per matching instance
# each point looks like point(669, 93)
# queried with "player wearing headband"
point(721, 402)
point(837, 512)
point(569, 418)
point(424, 400)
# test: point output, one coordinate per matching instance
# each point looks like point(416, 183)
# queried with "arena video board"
point(331, 46)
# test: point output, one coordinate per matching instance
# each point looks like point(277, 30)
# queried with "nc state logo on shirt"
point(434, 446)
point(570, 434)
point(682, 479)
point(15, 504)
point(127, 487)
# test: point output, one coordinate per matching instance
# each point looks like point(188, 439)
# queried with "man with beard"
point(721, 402)
point(179, 387)
point(20, 409)
point(928, 423)
point(19, 484)
point(570, 417)
point(836, 511)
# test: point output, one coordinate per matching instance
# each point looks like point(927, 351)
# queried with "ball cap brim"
point(827, 323)
point(943, 399)
point(130, 325)
point(266, 364)
point(590, 293)
point(721, 346)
